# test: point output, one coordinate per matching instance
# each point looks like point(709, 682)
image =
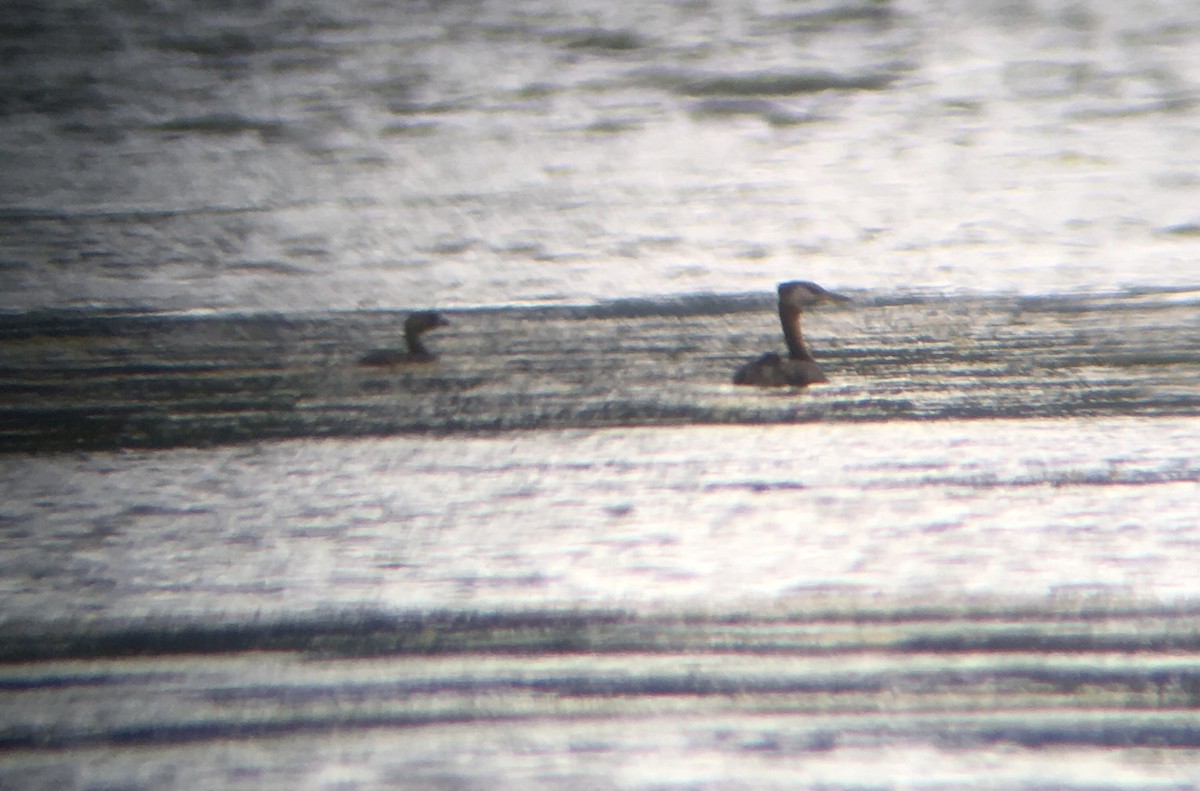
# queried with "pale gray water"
point(300, 155)
point(610, 518)
point(968, 561)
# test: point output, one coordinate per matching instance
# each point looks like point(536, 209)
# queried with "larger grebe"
point(798, 368)
point(414, 326)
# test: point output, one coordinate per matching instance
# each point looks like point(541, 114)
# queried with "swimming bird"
point(798, 368)
point(414, 326)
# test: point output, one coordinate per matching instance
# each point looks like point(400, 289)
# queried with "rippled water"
point(571, 552)
point(92, 381)
point(288, 156)
point(720, 515)
point(969, 556)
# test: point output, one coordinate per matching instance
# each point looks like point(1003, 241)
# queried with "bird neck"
point(415, 347)
point(790, 318)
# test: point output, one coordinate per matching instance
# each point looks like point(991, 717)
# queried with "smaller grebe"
point(414, 326)
point(798, 368)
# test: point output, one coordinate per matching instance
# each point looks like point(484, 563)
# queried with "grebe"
point(414, 326)
point(798, 368)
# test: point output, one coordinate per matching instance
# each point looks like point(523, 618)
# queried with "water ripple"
point(79, 380)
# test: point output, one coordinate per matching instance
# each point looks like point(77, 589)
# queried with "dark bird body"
point(414, 326)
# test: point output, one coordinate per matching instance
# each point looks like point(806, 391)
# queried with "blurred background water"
point(570, 552)
point(291, 156)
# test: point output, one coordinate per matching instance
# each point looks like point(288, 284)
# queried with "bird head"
point(804, 294)
point(424, 320)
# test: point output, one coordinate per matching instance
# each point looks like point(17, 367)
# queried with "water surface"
point(571, 552)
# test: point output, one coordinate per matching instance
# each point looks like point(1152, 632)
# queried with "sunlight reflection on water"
point(637, 516)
